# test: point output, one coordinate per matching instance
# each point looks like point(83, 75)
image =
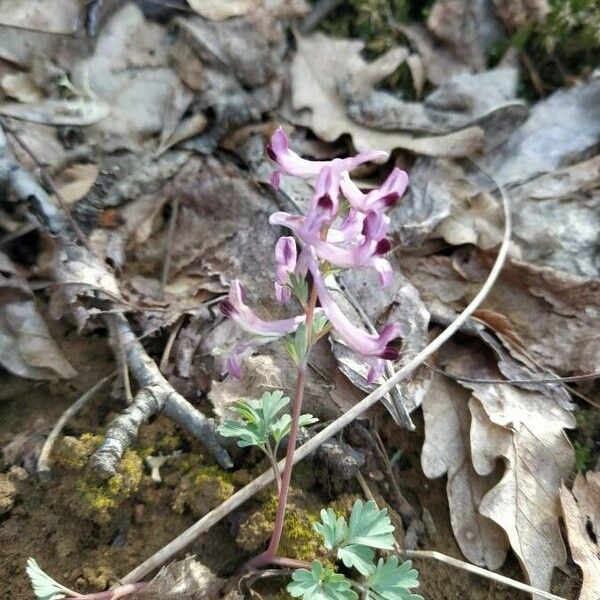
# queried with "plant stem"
point(270, 553)
point(271, 455)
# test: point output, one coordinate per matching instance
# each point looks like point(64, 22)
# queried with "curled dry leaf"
point(447, 450)
point(26, 345)
point(581, 512)
point(552, 312)
point(316, 86)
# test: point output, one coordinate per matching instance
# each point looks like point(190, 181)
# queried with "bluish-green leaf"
point(320, 583)
point(369, 526)
point(390, 581)
point(44, 587)
point(333, 528)
point(358, 557)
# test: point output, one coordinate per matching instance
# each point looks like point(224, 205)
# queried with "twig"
point(64, 205)
point(43, 464)
point(169, 251)
point(156, 392)
point(164, 360)
point(233, 502)
point(121, 360)
point(465, 566)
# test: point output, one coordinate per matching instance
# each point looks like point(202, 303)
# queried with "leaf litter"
point(153, 112)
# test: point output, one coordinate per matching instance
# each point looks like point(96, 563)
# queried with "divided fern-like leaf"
point(369, 526)
point(390, 581)
point(44, 587)
point(332, 528)
point(320, 583)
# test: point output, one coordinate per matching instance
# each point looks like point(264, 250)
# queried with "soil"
point(89, 555)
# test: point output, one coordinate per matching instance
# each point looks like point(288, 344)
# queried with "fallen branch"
point(156, 393)
point(214, 516)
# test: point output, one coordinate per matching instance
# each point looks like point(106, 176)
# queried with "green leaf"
point(319, 323)
point(301, 342)
point(390, 581)
point(281, 428)
point(246, 433)
point(320, 583)
point(333, 528)
point(44, 587)
point(306, 420)
point(370, 526)
point(257, 418)
point(299, 287)
point(359, 557)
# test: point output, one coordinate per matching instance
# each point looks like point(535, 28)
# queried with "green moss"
point(97, 498)
point(299, 540)
point(202, 488)
point(583, 456)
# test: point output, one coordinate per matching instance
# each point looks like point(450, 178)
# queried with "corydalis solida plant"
point(342, 228)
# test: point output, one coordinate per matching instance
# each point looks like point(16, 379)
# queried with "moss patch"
point(202, 488)
point(97, 498)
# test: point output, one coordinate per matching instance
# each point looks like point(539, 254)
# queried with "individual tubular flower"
point(261, 331)
point(285, 263)
point(235, 308)
point(381, 198)
point(290, 163)
point(373, 349)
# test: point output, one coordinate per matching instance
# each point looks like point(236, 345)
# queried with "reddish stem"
point(269, 555)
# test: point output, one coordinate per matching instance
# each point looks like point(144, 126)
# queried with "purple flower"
point(285, 263)
point(291, 163)
point(373, 349)
point(365, 250)
point(381, 198)
point(235, 308)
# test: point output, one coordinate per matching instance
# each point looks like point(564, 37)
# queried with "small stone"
point(8, 493)
point(17, 473)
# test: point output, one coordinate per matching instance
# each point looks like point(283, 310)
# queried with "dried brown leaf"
point(581, 512)
point(76, 181)
point(447, 451)
point(316, 86)
point(26, 345)
point(527, 431)
point(56, 16)
point(216, 10)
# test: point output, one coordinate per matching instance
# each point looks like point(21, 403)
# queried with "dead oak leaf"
point(581, 512)
point(526, 431)
point(317, 85)
point(447, 451)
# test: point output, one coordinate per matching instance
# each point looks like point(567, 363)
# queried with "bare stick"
point(121, 360)
point(156, 394)
point(43, 464)
point(465, 566)
point(215, 515)
point(164, 360)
